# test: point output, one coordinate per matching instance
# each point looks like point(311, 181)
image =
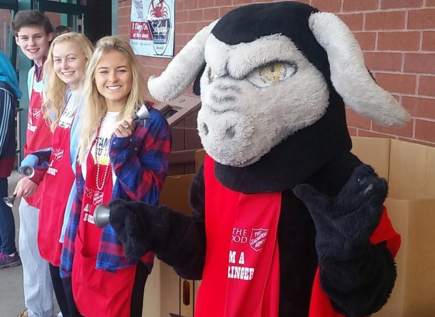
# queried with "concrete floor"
point(11, 279)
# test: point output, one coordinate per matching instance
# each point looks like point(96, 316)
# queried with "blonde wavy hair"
point(54, 96)
point(95, 103)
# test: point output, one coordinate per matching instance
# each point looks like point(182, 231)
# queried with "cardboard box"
point(410, 170)
point(166, 294)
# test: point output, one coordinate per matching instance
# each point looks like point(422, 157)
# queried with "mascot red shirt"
point(287, 221)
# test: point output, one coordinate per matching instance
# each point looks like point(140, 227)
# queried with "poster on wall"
point(152, 25)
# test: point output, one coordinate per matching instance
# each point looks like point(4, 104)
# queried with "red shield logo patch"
point(258, 239)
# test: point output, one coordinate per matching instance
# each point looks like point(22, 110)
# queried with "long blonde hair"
point(54, 97)
point(95, 103)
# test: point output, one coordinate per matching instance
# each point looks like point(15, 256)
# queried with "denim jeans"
point(7, 223)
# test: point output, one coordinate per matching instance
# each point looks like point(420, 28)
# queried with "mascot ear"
point(349, 74)
point(182, 70)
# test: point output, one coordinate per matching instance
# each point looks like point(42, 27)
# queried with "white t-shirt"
point(103, 142)
point(69, 112)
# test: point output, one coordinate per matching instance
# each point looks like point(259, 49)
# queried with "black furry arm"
point(358, 276)
point(177, 239)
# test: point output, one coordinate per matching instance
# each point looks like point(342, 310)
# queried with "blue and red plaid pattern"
point(140, 163)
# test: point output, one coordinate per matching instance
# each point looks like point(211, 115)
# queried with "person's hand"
point(25, 188)
point(124, 128)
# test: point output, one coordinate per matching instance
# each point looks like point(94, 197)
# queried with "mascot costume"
point(286, 221)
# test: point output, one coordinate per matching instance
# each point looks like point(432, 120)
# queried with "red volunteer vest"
point(98, 292)
point(38, 136)
point(241, 272)
point(229, 282)
point(56, 188)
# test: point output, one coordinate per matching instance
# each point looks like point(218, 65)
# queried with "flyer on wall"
point(152, 25)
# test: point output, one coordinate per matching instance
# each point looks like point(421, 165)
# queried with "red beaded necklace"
point(96, 156)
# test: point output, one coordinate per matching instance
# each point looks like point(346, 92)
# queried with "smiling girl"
point(118, 158)
point(65, 67)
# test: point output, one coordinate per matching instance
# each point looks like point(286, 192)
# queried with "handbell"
point(27, 171)
point(10, 200)
point(141, 114)
point(101, 215)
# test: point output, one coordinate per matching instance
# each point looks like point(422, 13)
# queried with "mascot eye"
point(270, 74)
point(211, 76)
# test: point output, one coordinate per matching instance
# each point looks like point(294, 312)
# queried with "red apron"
point(241, 272)
point(242, 300)
point(38, 136)
point(98, 292)
point(56, 189)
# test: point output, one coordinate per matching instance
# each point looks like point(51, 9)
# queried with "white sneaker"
point(59, 314)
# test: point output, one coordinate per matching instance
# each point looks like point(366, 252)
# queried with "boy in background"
point(33, 33)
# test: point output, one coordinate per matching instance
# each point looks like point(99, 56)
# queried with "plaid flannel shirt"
point(140, 163)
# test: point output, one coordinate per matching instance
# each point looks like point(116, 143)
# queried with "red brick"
point(421, 19)
point(221, 3)
point(420, 63)
point(303, 1)
point(352, 131)
point(328, 6)
point(399, 83)
point(239, 2)
point(367, 40)
point(179, 28)
point(426, 86)
point(191, 28)
point(124, 4)
point(181, 16)
point(383, 61)
point(196, 15)
point(190, 4)
point(357, 121)
point(360, 5)
point(206, 3)
point(124, 29)
point(353, 21)
point(179, 5)
point(398, 41)
point(393, 4)
point(430, 3)
point(390, 20)
point(372, 134)
point(181, 40)
point(428, 41)
point(420, 107)
point(124, 12)
point(425, 130)
point(406, 130)
point(211, 14)
point(202, 25)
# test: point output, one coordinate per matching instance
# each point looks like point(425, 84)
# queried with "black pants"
point(63, 292)
point(136, 298)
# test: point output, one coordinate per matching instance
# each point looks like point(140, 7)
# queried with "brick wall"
point(397, 37)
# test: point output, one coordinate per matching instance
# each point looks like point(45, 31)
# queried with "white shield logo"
point(258, 239)
point(36, 113)
point(58, 154)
